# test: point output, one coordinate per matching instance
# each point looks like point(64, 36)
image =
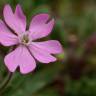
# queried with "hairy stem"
point(5, 82)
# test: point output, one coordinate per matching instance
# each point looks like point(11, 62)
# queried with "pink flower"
point(27, 49)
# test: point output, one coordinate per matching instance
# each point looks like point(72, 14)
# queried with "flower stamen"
point(25, 39)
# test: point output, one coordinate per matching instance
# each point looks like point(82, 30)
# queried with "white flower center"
point(24, 39)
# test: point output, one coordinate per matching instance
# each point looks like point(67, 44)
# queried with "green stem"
point(5, 82)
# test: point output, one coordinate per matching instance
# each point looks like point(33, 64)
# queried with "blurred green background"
point(74, 74)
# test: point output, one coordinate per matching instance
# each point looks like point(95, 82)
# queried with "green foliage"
point(75, 22)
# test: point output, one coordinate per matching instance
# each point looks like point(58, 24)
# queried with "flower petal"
point(22, 58)
point(14, 21)
point(6, 36)
point(51, 46)
point(41, 55)
point(40, 26)
point(20, 16)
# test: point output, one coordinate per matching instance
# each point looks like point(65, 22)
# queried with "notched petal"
point(41, 26)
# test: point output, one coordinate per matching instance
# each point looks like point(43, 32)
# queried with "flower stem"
point(5, 82)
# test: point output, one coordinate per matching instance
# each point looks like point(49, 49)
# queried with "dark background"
point(74, 74)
